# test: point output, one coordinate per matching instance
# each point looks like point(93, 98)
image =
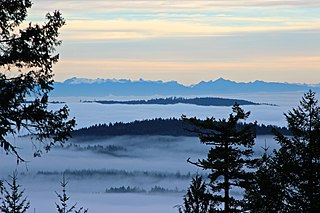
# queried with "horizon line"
point(93, 80)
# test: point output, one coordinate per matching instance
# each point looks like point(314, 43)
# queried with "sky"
point(187, 40)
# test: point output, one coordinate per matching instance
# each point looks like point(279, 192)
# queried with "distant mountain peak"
point(223, 80)
point(76, 80)
point(220, 79)
point(258, 81)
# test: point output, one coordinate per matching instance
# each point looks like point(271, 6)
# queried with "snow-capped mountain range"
point(123, 87)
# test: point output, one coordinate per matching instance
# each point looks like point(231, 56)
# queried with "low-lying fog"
point(153, 169)
point(142, 163)
point(88, 114)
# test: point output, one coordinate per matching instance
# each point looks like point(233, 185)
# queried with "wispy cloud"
point(132, 29)
point(169, 5)
point(135, 19)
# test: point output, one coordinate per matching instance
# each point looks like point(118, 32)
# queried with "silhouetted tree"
point(265, 194)
point(197, 199)
point(13, 200)
point(229, 157)
point(26, 78)
point(63, 207)
point(293, 172)
point(1, 187)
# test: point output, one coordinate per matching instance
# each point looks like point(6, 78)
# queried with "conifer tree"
point(1, 187)
point(229, 158)
point(63, 207)
point(293, 172)
point(27, 55)
point(13, 200)
point(197, 199)
point(299, 156)
point(265, 194)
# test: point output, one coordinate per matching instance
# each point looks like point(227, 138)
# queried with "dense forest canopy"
point(157, 126)
point(200, 101)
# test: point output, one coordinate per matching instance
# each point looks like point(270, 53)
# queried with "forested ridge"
point(157, 126)
point(200, 101)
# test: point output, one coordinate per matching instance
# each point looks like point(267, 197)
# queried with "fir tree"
point(229, 157)
point(27, 55)
point(265, 194)
point(197, 199)
point(13, 200)
point(63, 207)
point(1, 187)
point(299, 156)
point(293, 172)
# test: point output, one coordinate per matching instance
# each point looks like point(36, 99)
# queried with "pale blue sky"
point(188, 40)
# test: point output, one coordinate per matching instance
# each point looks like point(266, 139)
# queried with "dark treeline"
point(158, 126)
point(155, 189)
point(123, 189)
point(51, 102)
point(201, 101)
point(88, 173)
point(109, 149)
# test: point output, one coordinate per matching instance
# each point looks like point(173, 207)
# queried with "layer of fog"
point(165, 155)
point(144, 157)
point(88, 114)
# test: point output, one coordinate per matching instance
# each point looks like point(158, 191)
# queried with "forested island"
point(157, 126)
point(200, 101)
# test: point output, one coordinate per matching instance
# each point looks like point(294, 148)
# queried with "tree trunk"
point(226, 181)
